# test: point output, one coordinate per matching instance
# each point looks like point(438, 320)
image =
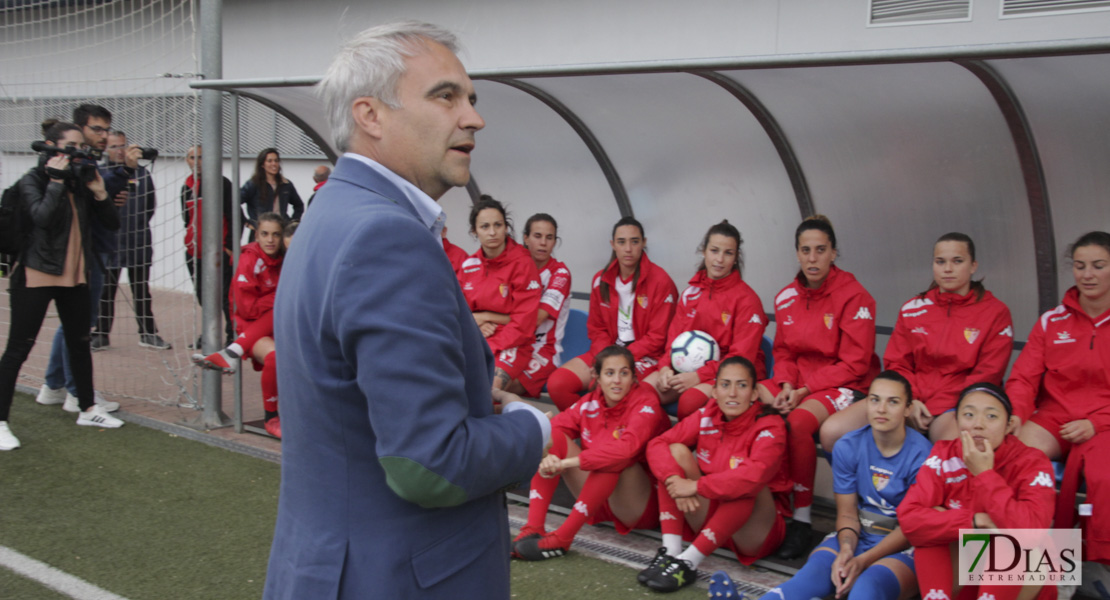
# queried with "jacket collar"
point(366, 173)
point(947, 299)
point(831, 282)
point(1071, 301)
point(702, 280)
point(612, 271)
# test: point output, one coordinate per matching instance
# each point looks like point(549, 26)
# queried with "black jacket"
point(256, 205)
point(51, 217)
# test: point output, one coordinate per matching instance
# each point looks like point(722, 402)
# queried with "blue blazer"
point(392, 461)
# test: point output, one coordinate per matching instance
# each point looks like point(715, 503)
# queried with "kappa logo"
point(259, 266)
point(709, 535)
point(242, 279)
point(971, 334)
point(1044, 479)
point(581, 507)
point(534, 495)
point(666, 516)
point(764, 434)
point(669, 300)
point(935, 594)
point(1008, 332)
point(864, 314)
point(948, 466)
point(800, 488)
point(533, 285)
point(920, 330)
point(1063, 337)
point(756, 319)
point(647, 409)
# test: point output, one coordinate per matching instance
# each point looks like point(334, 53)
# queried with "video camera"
point(82, 163)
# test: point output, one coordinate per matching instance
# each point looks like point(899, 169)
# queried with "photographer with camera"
point(133, 242)
point(62, 195)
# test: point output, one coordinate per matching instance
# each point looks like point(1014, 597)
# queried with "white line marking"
point(52, 578)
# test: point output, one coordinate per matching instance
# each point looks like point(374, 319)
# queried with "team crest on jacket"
point(642, 300)
point(734, 461)
point(828, 320)
point(971, 334)
point(725, 317)
point(504, 289)
point(617, 433)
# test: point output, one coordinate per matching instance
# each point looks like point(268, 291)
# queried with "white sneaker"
point(98, 417)
point(73, 406)
point(7, 440)
point(50, 397)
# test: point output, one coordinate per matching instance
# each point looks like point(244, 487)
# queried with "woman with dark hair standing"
point(1060, 386)
point(540, 234)
point(632, 301)
point(824, 359)
point(951, 335)
point(268, 191)
point(502, 289)
point(720, 303)
point(60, 198)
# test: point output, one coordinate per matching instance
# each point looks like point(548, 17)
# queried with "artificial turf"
point(144, 514)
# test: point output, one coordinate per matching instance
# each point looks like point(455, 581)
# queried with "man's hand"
point(121, 198)
point(131, 158)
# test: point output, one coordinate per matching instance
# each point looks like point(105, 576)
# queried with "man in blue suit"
point(393, 459)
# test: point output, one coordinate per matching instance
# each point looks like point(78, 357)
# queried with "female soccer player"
point(607, 472)
point(951, 335)
point(252, 306)
point(1064, 371)
point(824, 358)
point(716, 470)
point(502, 288)
point(720, 303)
point(540, 234)
point(873, 467)
point(631, 305)
point(984, 479)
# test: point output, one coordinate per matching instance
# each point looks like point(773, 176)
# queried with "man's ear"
point(367, 113)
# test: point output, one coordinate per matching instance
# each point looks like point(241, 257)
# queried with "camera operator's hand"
point(96, 186)
point(121, 198)
point(134, 153)
point(58, 162)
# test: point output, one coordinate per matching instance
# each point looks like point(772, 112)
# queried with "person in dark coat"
point(393, 458)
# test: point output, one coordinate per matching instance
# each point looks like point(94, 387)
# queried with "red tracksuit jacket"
point(256, 280)
point(651, 312)
point(727, 309)
point(825, 338)
point(738, 458)
point(613, 439)
point(555, 278)
point(1018, 493)
point(1065, 365)
point(943, 343)
point(508, 284)
point(454, 254)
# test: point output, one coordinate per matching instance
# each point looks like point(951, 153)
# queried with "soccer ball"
point(692, 349)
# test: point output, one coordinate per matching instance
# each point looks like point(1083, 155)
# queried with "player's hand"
point(1077, 432)
point(687, 505)
point(920, 417)
point(782, 399)
point(550, 466)
point(665, 374)
point(487, 328)
point(680, 487)
point(848, 573)
point(983, 521)
point(977, 459)
point(684, 381)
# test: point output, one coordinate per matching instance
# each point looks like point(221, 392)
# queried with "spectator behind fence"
point(60, 386)
point(134, 248)
point(192, 215)
point(320, 176)
point(269, 191)
point(60, 198)
point(393, 461)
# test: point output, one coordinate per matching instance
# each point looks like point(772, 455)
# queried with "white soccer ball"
point(692, 349)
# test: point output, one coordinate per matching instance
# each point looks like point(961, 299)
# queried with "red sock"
point(269, 383)
point(803, 455)
point(934, 572)
point(563, 387)
point(597, 489)
point(670, 518)
point(259, 328)
point(543, 488)
point(729, 517)
point(690, 401)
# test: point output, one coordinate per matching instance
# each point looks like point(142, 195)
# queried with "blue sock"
point(878, 582)
point(811, 581)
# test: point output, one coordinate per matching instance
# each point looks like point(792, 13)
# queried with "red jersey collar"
point(1071, 300)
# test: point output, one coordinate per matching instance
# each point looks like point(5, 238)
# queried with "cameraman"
point(133, 243)
point(55, 266)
